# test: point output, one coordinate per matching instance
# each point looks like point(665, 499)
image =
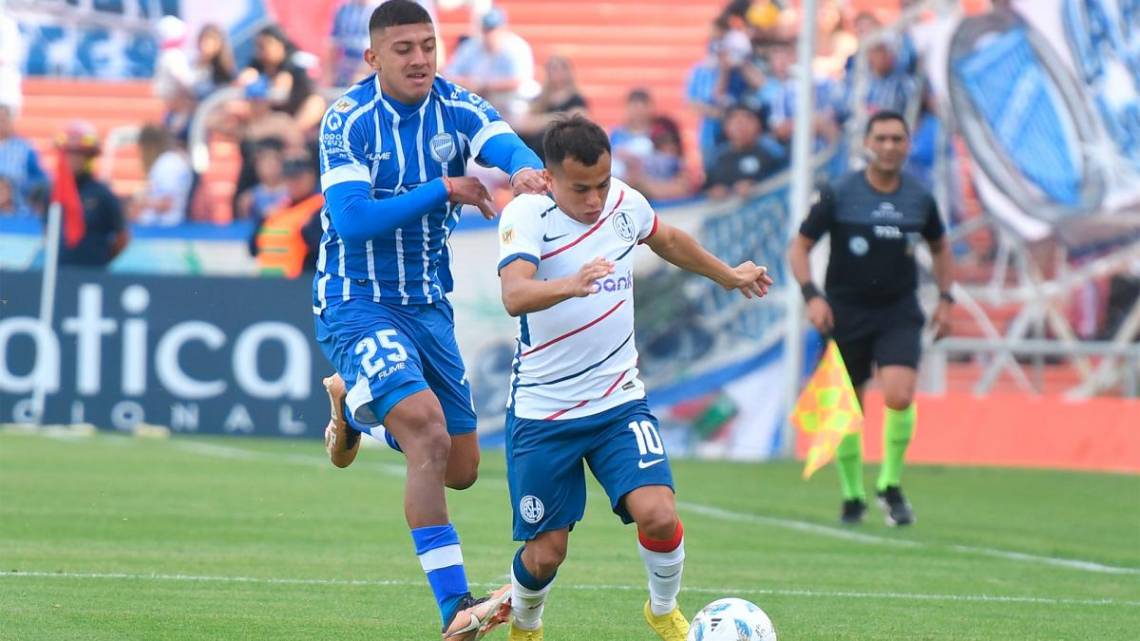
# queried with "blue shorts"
point(386, 353)
point(544, 464)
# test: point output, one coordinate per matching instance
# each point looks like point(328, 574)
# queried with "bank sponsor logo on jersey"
point(614, 284)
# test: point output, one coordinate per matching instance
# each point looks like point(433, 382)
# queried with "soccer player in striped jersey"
point(393, 151)
point(566, 270)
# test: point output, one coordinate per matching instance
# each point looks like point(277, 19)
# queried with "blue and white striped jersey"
point(395, 148)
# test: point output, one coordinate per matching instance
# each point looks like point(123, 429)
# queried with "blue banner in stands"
point(199, 355)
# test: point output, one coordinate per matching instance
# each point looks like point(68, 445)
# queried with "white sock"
point(527, 604)
point(664, 570)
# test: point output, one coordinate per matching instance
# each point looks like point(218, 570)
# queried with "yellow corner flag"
point(827, 409)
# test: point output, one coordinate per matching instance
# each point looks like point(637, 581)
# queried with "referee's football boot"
point(852, 512)
point(895, 507)
point(341, 441)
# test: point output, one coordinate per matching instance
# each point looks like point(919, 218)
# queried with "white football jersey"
point(576, 358)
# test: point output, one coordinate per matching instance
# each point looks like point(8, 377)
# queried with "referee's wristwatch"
point(946, 297)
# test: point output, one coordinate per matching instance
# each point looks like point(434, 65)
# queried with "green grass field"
point(190, 538)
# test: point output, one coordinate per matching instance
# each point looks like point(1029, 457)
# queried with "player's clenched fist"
point(751, 279)
point(583, 283)
point(529, 181)
point(467, 190)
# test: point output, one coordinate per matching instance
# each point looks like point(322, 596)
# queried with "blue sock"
point(525, 578)
point(437, 546)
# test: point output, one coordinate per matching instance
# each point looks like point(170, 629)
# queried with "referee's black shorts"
point(889, 334)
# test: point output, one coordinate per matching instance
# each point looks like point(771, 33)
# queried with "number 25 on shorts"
point(373, 360)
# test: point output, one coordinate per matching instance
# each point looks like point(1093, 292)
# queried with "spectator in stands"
point(834, 42)
point(559, 98)
point(348, 39)
point(214, 65)
point(287, 240)
point(743, 161)
point(889, 88)
point(497, 65)
point(105, 230)
point(630, 140)
point(258, 122)
point(778, 99)
point(701, 94)
point(169, 180)
point(20, 166)
point(11, 49)
point(173, 77)
point(291, 90)
point(270, 191)
point(662, 176)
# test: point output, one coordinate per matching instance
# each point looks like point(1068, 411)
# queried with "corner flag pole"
point(47, 308)
point(802, 143)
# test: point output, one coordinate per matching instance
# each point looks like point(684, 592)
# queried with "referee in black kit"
point(876, 218)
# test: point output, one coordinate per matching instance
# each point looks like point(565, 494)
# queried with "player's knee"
point(427, 439)
point(463, 476)
point(898, 399)
point(547, 557)
point(659, 522)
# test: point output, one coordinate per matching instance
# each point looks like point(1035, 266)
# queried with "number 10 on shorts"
point(648, 441)
point(373, 361)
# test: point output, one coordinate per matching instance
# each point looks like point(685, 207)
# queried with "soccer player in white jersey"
point(393, 151)
point(566, 269)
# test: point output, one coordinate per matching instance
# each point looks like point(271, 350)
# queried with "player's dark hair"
point(884, 116)
point(394, 13)
point(575, 137)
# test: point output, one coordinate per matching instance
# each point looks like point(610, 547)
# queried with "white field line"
point(825, 594)
point(392, 469)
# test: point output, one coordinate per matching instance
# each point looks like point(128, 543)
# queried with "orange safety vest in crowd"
point(281, 250)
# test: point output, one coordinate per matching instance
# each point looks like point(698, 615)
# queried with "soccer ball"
point(731, 620)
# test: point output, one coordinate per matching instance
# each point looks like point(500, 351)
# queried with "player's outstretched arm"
point(358, 217)
point(685, 252)
point(524, 294)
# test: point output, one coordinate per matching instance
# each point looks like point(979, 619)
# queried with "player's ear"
point(547, 176)
point(371, 59)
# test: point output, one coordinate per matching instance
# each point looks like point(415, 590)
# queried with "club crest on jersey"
point(623, 225)
point(858, 245)
point(531, 509)
point(442, 147)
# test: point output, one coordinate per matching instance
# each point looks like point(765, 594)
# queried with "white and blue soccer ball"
point(731, 619)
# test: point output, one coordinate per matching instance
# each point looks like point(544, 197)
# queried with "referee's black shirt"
point(873, 236)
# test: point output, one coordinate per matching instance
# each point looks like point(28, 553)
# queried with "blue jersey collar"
point(402, 108)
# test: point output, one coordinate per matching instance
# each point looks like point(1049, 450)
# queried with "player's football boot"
point(476, 617)
point(670, 627)
point(341, 442)
point(518, 634)
point(852, 513)
point(895, 507)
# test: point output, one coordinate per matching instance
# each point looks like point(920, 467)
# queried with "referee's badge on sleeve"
point(442, 147)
